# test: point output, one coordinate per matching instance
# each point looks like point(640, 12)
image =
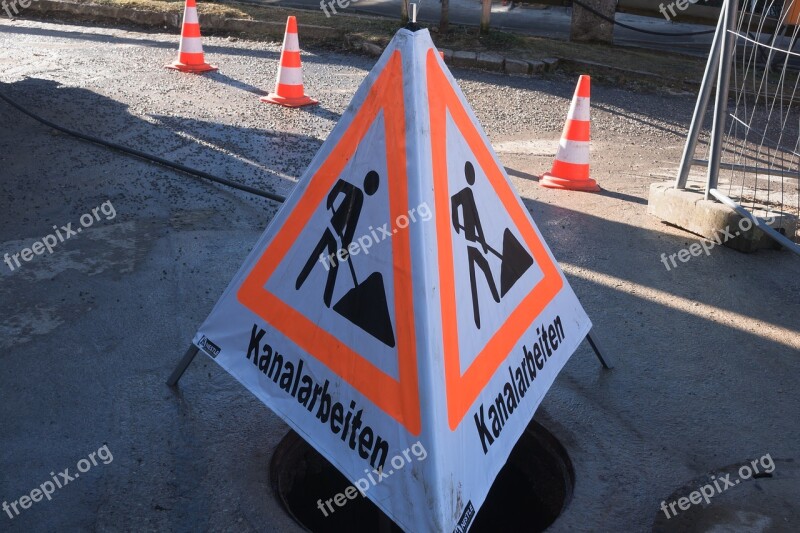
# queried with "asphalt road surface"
point(706, 353)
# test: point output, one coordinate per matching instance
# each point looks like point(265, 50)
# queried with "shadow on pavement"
point(258, 154)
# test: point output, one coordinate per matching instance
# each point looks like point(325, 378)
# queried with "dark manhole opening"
point(530, 492)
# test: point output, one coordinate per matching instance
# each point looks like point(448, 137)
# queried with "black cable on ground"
point(143, 155)
point(613, 21)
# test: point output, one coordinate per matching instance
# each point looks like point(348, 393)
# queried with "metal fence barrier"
point(752, 150)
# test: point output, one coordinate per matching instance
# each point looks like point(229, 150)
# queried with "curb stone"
point(465, 59)
point(371, 49)
point(489, 61)
point(517, 67)
point(478, 60)
point(636, 74)
point(537, 67)
point(550, 63)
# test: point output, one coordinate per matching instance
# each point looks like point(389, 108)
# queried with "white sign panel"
point(402, 300)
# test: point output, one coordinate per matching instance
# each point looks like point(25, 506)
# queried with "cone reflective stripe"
point(190, 52)
point(289, 90)
point(571, 167)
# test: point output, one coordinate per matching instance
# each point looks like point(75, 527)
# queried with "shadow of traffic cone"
point(190, 53)
point(571, 167)
point(289, 90)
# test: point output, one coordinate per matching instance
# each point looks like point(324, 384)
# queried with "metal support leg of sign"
point(183, 364)
point(604, 360)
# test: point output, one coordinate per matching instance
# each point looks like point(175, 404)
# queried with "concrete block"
point(464, 59)
point(516, 67)
point(537, 67)
point(489, 61)
point(448, 55)
point(710, 219)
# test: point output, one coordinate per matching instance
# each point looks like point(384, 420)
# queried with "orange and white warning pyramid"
point(402, 302)
point(571, 167)
point(190, 53)
point(289, 90)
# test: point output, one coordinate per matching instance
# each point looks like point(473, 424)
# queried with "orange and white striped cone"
point(571, 167)
point(289, 90)
point(190, 53)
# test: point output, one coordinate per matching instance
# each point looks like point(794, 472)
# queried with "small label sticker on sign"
point(466, 518)
point(209, 347)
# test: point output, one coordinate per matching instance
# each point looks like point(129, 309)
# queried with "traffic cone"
point(571, 167)
point(190, 53)
point(289, 90)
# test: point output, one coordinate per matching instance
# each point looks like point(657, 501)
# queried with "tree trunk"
point(444, 18)
point(486, 13)
point(404, 11)
point(586, 26)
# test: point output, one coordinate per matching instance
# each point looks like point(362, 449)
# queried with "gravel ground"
point(707, 353)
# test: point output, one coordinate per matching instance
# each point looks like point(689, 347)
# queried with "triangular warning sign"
point(335, 278)
point(500, 276)
point(402, 312)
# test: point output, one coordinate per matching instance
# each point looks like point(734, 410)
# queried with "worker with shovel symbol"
point(514, 260)
point(365, 304)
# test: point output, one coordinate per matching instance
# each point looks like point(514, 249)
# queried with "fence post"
point(698, 119)
point(721, 103)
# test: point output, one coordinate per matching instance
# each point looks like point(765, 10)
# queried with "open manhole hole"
point(531, 491)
